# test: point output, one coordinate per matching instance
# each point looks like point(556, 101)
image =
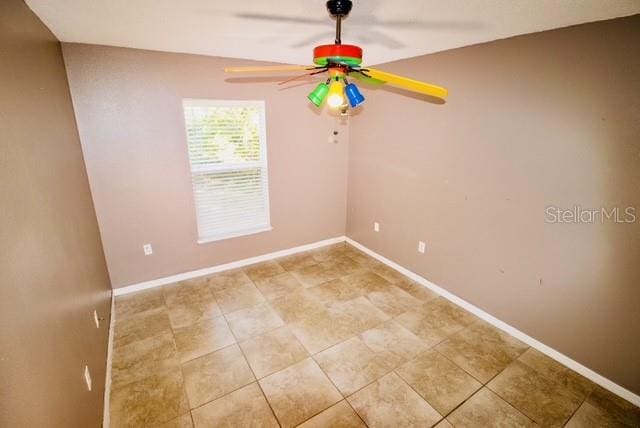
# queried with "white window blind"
point(228, 155)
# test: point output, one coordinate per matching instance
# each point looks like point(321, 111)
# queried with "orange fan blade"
point(408, 84)
point(268, 68)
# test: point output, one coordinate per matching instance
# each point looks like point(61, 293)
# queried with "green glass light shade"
point(318, 95)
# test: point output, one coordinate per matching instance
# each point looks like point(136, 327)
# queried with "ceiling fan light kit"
point(342, 61)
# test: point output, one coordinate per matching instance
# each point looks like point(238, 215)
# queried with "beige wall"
point(52, 268)
point(129, 113)
point(545, 119)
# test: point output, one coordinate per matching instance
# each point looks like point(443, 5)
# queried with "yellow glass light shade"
point(336, 94)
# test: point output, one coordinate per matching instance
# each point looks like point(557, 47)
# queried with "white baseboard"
point(227, 266)
point(107, 380)
point(552, 353)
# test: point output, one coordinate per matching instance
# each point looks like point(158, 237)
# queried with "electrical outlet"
point(87, 377)
point(96, 319)
point(376, 226)
point(422, 247)
point(147, 249)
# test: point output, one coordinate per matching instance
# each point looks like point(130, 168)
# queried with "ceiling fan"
point(343, 61)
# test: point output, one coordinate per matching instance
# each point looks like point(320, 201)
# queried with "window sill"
point(237, 234)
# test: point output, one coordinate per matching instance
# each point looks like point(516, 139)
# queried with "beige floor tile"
point(546, 402)
point(390, 402)
point(152, 401)
point(435, 320)
point(143, 358)
point(299, 392)
point(333, 291)
point(339, 415)
point(445, 424)
point(263, 270)
point(228, 279)
point(313, 275)
point(557, 372)
point(390, 274)
point(482, 350)
point(273, 351)
point(297, 261)
point(328, 252)
point(297, 306)
point(245, 407)
point(351, 365)
point(336, 323)
point(485, 409)
point(344, 265)
point(190, 302)
point(320, 332)
point(393, 301)
point(237, 297)
point(202, 337)
point(216, 374)
point(357, 255)
point(366, 282)
point(443, 384)
point(278, 286)
point(393, 343)
point(141, 326)
point(418, 291)
point(358, 314)
point(139, 302)
point(589, 415)
point(183, 421)
point(616, 408)
point(253, 321)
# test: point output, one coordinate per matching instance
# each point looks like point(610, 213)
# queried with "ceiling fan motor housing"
point(349, 55)
point(339, 8)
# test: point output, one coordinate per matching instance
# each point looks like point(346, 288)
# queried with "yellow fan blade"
point(408, 84)
point(268, 68)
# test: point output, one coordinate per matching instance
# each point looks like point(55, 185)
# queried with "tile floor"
point(332, 338)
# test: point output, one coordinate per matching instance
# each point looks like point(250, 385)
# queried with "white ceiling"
point(386, 30)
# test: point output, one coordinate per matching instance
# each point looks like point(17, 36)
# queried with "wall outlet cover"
point(422, 247)
point(87, 377)
point(148, 250)
point(376, 226)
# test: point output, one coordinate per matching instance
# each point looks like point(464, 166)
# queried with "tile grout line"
point(175, 346)
point(311, 356)
point(257, 381)
point(534, 343)
point(584, 400)
point(357, 335)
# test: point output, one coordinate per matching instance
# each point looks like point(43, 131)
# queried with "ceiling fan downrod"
point(339, 9)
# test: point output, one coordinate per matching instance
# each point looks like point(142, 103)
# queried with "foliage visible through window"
point(227, 152)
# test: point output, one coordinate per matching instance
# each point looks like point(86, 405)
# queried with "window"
point(228, 156)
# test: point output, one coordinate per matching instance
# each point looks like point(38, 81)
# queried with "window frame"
point(220, 168)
